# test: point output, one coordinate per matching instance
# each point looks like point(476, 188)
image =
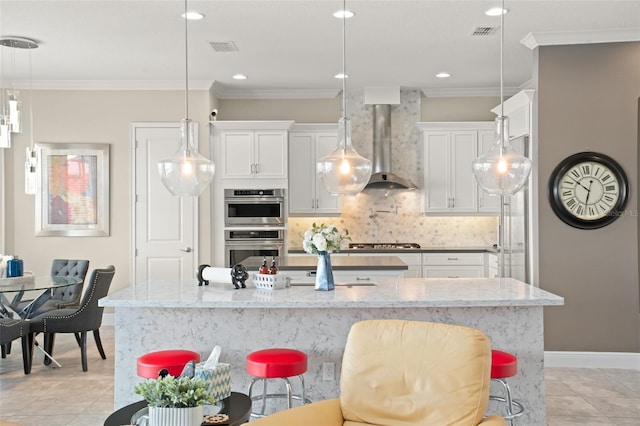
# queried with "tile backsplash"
point(396, 217)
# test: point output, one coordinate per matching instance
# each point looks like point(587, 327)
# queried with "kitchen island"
point(160, 315)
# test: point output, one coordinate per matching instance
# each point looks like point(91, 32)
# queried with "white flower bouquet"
point(323, 239)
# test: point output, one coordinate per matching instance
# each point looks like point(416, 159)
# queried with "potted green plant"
point(175, 401)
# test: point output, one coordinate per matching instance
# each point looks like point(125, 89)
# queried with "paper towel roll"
point(217, 275)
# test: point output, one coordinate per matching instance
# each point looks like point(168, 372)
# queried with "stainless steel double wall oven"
point(254, 223)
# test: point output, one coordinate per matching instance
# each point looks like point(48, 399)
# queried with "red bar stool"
point(173, 360)
point(504, 365)
point(276, 363)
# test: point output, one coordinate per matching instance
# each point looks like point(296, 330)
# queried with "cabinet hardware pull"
point(455, 276)
point(311, 273)
point(186, 250)
point(363, 279)
point(257, 168)
point(452, 258)
point(252, 168)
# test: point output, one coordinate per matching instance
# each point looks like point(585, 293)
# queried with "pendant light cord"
point(502, 61)
point(31, 103)
point(344, 73)
point(186, 63)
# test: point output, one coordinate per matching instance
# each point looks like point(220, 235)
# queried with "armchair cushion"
point(415, 373)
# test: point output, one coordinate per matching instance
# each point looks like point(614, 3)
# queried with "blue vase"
point(14, 268)
point(324, 274)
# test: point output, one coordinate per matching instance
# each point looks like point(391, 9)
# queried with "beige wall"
point(476, 108)
point(298, 110)
point(587, 99)
point(94, 116)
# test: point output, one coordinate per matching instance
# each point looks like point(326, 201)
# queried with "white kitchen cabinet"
point(307, 144)
point(449, 149)
point(519, 110)
point(252, 150)
point(453, 265)
point(413, 261)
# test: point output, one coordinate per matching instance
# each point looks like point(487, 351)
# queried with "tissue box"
point(219, 379)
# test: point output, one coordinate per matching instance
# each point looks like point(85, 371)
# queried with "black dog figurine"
point(239, 275)
point(200, 279)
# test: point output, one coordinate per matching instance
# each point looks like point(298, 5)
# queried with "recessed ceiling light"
point(496, 11)
point(341, 76)
point(443, 75)
point(239, 77)
point(343, 14)
point(193, 15)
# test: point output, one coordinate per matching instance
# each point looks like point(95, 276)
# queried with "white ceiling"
point(295, 45)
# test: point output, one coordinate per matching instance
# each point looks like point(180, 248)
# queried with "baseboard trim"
point(626, 360)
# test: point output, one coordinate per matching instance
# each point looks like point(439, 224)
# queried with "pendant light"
point(501, 170)
point(32, 156)
point(344, 171)
point(186, 173)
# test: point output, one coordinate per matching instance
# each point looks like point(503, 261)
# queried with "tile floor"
point(67, 396)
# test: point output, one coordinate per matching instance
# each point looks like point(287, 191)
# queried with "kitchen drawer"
point(446, 259)
point(453, 272)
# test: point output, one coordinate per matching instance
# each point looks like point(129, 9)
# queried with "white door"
point(301, 179)
point(165, 226)
point(464, 148)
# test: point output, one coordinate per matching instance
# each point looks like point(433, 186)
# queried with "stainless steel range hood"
point(382, 177)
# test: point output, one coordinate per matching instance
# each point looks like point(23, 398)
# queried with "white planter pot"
point(163, 416)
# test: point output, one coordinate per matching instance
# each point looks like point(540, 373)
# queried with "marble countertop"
point(338, 263)
point(387, 293)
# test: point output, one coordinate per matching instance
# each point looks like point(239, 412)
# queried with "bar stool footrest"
point(519, 407)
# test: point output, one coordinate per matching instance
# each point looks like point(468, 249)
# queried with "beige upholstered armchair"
point(405, 373)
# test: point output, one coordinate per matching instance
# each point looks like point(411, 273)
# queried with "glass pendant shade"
point(30, 172)
point(5, 131)
point(186, 173)
point(15, 113)
point(344, 171)
point(501, 170)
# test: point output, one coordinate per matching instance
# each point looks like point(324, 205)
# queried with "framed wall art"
point(72, 193)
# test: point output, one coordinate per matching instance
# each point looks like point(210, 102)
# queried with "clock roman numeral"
point(610, 188)
point(575, 173)
point(586, 169)
point(605, 177)
point(567, 193)
point(592, 211)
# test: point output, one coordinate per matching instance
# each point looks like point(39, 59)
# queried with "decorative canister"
point(14, 268)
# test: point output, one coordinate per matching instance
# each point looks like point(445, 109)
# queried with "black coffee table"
point(237, 406)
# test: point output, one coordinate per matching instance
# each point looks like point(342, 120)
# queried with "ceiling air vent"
point(223, 46)
point(483, 31)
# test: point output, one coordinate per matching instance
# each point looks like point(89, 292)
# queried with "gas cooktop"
point(384, 246)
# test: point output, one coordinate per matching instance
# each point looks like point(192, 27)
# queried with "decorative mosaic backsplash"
point(380, 216)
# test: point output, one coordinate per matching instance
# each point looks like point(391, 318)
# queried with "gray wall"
point(587, 99)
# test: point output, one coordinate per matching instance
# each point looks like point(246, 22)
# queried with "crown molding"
point(110, 85)
point(467, 92)
point(553, 38)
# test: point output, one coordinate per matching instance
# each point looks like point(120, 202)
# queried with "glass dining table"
point(17, 287)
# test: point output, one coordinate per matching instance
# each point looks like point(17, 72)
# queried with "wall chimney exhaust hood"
point(382, 177)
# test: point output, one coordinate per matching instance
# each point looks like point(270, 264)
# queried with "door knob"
point(186, 250)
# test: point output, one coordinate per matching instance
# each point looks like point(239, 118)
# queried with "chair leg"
point(7, 349)
point(77, 336)
point(83, 350)
point(3, 349)
point(26, 354)
point(96, 337)
point(49, 340)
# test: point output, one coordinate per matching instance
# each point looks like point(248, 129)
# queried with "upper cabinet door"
point(270, 159)
point(437, 171)
point(463, 182)
point(487, 203)
point(237, 154)
point(301, 179)
point(325, 202)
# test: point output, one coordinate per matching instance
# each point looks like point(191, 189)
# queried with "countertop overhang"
point(387, 293)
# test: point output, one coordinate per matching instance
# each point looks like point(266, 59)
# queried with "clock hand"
point(578, 183)
point(588, 192)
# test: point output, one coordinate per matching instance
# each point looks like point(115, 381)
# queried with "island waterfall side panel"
point(321, 333)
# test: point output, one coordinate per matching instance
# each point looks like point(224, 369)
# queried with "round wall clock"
point(588, 190)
